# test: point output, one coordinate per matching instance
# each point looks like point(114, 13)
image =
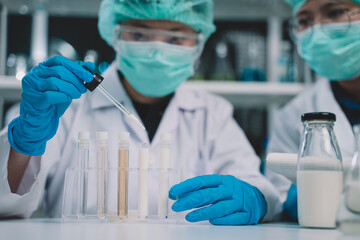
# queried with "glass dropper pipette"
point(120, 106)
point(95, 84)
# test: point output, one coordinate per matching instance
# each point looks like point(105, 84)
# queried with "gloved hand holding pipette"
point(226, 200)
point(47, 91)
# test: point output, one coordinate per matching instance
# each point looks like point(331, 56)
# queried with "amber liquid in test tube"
point(102, 183)
point(123, 174)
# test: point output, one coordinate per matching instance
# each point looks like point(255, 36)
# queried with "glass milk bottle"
point(349, 212)
point(319, 172)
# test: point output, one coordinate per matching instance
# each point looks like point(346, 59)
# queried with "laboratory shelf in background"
point(10, 88)
point(10, 91)
point(269, 95)
point(223, 9)
point(250, 94)
point(240, 94)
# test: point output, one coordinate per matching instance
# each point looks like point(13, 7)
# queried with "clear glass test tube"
point(143, 181)
point(102, 159)
point(123, 174)
point(82, 168)
point(163, 198)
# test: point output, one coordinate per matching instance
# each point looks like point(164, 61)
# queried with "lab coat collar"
point(183, 100)
point(326, 101)
point(186, 100)
point(189, 100)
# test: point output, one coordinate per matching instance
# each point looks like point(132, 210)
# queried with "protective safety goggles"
point(171, 38)
point(335, 15)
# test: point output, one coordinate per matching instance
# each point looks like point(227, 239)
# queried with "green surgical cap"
point(197, 14)
point(296, 4)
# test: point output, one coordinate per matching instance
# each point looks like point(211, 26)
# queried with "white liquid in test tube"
point(163, 198)
point(83, 166)
point(143, 182)
point(102, 188)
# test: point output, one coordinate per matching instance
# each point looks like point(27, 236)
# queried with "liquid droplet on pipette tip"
point(135, 120)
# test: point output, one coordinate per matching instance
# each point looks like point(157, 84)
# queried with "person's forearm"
point(17, 165)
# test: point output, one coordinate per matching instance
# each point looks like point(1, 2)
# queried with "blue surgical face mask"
point(155, 69)
point(330, 52)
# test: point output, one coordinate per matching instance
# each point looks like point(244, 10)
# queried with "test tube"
point(123, 177)
point(82, 167)
point(102, 188)
point(143, 182)
point(163, 198)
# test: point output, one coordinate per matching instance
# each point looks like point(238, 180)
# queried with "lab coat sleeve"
point(230, 153)
point(30, 175)
point(29, 196)
point(284, 138)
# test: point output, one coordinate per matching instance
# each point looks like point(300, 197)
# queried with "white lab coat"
point(205, 140)
point(287, 130)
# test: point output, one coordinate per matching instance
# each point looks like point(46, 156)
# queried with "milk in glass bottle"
point(319, 172)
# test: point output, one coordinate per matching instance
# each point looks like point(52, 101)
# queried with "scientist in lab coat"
point(327, 34)
point(157, 43)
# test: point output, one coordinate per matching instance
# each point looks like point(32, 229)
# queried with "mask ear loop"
point(201, 46)
point(305, 36)
point(291, 30)
point(116, 33)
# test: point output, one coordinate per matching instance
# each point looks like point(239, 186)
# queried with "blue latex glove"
point(226, 200)
point(47, 91)
point(291, 204)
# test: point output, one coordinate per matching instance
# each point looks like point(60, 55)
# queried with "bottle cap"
point(83, 136)
point(101, 136)
point(327, 116)
point(95, 82)
point(124, 136)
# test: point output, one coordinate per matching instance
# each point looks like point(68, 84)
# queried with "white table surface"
point(50, 229)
